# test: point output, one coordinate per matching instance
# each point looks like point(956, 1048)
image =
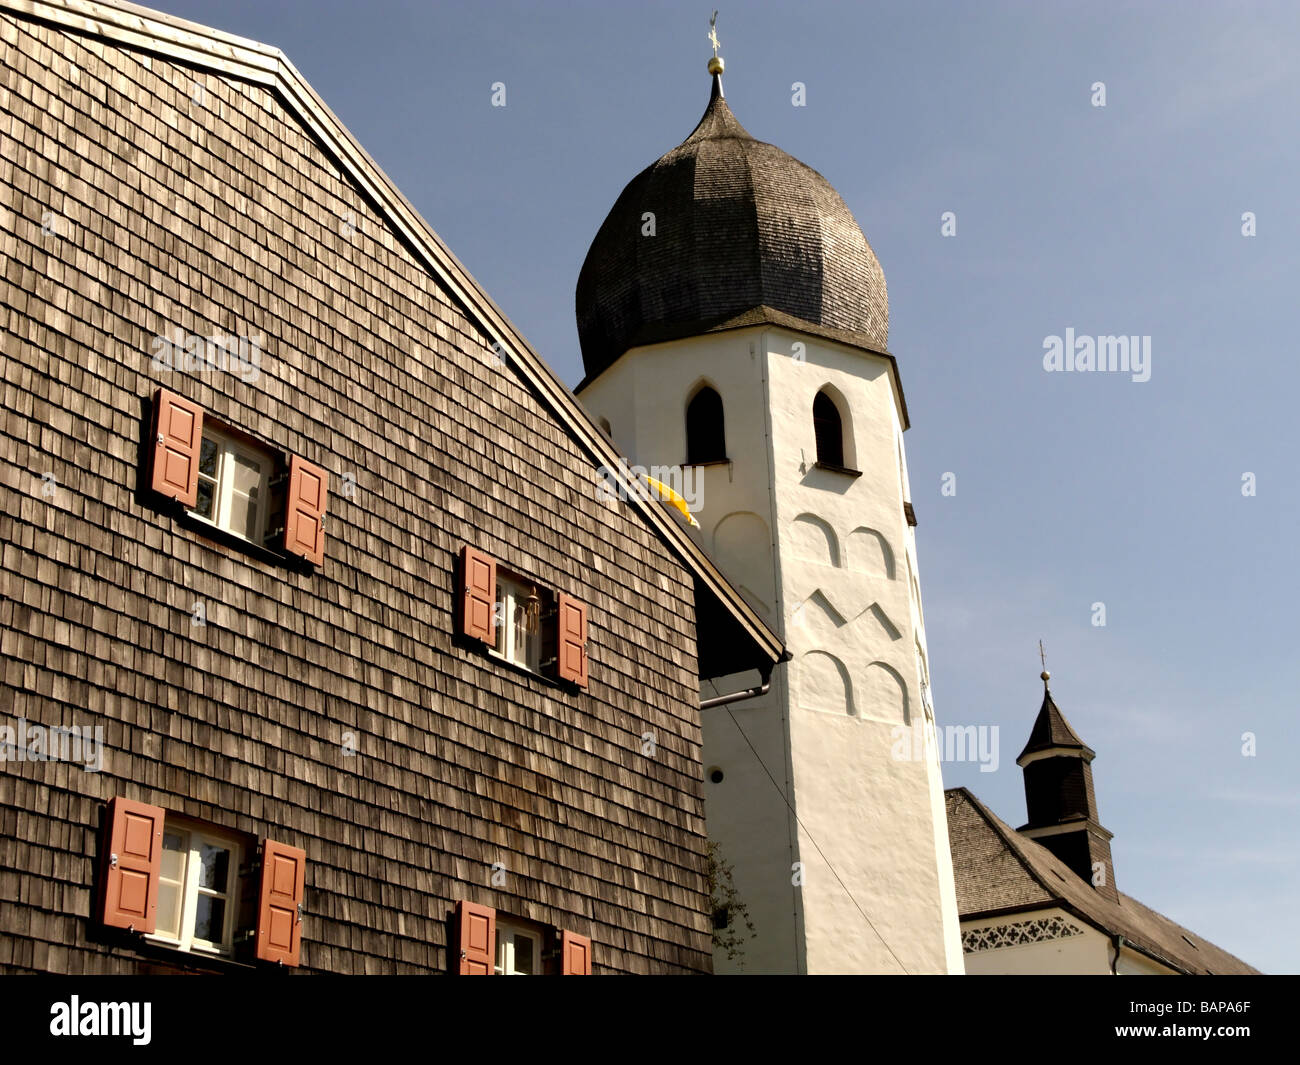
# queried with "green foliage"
point(731, 923)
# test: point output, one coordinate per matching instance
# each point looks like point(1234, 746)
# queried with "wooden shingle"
point(228, 216)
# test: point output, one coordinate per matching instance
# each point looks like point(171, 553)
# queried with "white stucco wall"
point(829, 561)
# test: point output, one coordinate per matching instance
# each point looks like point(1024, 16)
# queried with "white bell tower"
point(744, 343)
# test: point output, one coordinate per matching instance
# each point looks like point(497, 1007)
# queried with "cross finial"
point(715, 64)
point(1042, 656)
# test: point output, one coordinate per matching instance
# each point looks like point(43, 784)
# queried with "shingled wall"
point(180, 199)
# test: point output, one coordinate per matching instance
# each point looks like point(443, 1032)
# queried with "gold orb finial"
point(715, 64)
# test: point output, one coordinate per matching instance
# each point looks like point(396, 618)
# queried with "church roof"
point(741, 229)
point(998, 870)
point(1051, 730)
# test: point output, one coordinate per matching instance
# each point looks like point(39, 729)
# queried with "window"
point(228, 482)
point(519, 952)
point(196, 889)
point(605, 427)
point(232, 489)
point(706, 438)
point(829, 429)
point(488, 946)
point(518, 621)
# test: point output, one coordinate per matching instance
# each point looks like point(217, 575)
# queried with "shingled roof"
point(741, 229)
point(736, 625)
point(1052, 731)
point(997, 870)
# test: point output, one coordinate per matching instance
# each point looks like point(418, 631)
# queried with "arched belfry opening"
point(706, 436)
point(829, 427)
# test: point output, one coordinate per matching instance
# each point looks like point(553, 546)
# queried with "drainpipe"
point(1114, 962)
point(748, 693)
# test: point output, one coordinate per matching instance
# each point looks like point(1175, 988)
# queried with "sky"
point(1170, 501)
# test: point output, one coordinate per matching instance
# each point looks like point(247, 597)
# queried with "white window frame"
point(504, 962)
point(228, 449)
point(194, 837)
point(511, 643)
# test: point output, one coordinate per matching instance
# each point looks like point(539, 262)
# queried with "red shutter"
point(477, 940)
point(572, 641)
point(478, 594)
point(304, 517)
point(279, 922)
point(177, 436)
point(132, 863)
point(575, 954)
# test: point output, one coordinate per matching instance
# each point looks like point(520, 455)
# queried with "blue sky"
point(1072, 489)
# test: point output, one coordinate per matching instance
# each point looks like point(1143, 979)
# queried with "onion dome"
point(725, 231)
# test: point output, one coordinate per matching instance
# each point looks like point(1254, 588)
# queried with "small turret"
point(1059, 797)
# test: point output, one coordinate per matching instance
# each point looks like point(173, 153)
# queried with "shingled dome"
point(743, 233)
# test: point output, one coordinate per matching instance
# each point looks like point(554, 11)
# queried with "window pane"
point(245, 484)
point(512, 638)
point(214, 865)
point(169, 910)
point(210, 919)
point(500, 617)
point(243, 515)
point(248, 476)
point(523, 955)
point(531, 650)
point(251, 529)
point(206, 495)
point(173, 856)
point(208, 455)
